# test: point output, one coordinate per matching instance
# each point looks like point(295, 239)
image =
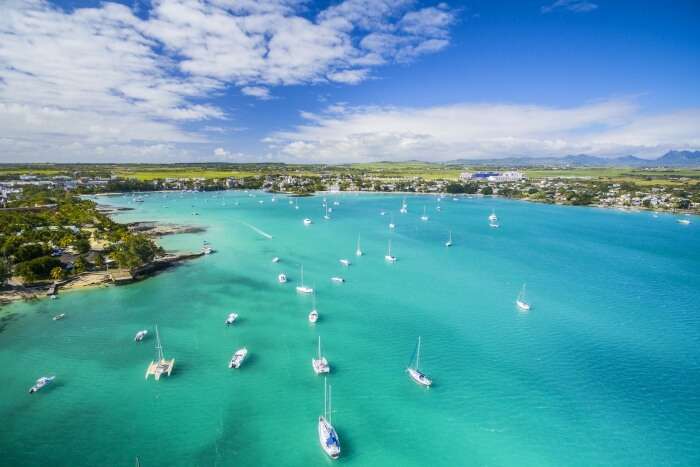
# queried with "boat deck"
point(153, 368)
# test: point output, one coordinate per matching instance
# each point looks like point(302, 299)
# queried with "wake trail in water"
point(264, 234)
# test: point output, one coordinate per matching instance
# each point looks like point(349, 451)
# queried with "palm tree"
point(56, 273)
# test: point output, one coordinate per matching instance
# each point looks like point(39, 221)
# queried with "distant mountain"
point(670, 159)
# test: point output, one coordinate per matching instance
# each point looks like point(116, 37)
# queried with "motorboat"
point(276, 259)
point(59, 317)
point(41, 383)
point(337, 279)
point(238, 357)
point(231, 318)
point(344, 262)
point(308, 221)
point(282, 278)
point(140, 335)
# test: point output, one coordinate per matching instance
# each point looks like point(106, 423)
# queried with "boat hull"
point(328, 438)
point(419, 377)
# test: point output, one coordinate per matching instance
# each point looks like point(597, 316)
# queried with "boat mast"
point(325, 397)
point(159, 348)
point(302, 275)
point(418, 354)
point(319, 347)
point(330, 405)
point(389, 253)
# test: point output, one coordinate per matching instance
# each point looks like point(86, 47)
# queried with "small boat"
point(291, 202)
point(282, 278)
point(391, 224)
point(207, 250)
point(41, 383)
point(449, 240)
point(344, 262)
point(308, 221)
point(414, 371)
point(494, 225)
point(276, 259)
point(358, 250)
point(301, 288)
point(320, 364)
point(54, 297)
point(424, 217)
point(238, 357)
point(59, 317)
point(336, 203)
point(140, 335)
point(313, 315)
point(404, 207)
point(683, 221)
point(521, 302)
point(337, 279)
point(493, 217)
point(382, 213)
point(326, 216)
point(389, 257)
point(327, 435)
point(296, 204)
point(138, 200)
point(231, 318)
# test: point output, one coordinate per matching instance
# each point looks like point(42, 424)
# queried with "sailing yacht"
point(424, 217)
point(231, 318)
point(313, 315)
point(237, 358)
point(404, 206)
point(358, 250)
point(301, 288)
point(327, 435)
point(414, 371)
point(391, 224)
point(493, 217)
point(160, 366)
point(388, 256)
point(320, 364)
point(326, 216)
point(449, 240)
point(521, 301)
point(140, 335)
point(40, 383)
point(296, 204)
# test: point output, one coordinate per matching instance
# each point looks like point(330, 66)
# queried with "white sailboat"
point(160, 366)
point(40, 383)
point(358, 250)
point(391, 223)
point(327, 435)
point(521, 301)
point(404, 206)
point(414, 370)
point(424, 217)
point(313, 315)
point(326, 216)
point(493, 217)
point(237, 358)
point(320, 364)
point(449, 240)
point(301, 288)
point(296, 204)
point(389, 257)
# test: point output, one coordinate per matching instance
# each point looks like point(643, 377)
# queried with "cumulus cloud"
point(576, 6)
point(107, 76)
point(614, 127)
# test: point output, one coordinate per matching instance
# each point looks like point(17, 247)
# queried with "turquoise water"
point(604, 370)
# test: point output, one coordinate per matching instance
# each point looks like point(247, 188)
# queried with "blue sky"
point(346, 81)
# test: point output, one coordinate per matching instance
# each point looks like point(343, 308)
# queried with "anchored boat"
point(41, 383)
point(521, 301)
point(414, 371)
point(320, 364)
point(140, 335)
point(301, 288)
point(160, 366)
point(327, 436)
point(231, 318)
point(238, 357)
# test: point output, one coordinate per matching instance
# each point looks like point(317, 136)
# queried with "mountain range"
point(670, 159)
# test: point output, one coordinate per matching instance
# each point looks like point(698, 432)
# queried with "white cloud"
point(576, 6)
point(106, 76)
point(615, 127)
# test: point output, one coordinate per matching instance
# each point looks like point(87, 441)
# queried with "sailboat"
point(296, 204)
point(414, 371)
point(404, 206)
point(160, 366)
point(320, 364)
point(313, 316)
point(301, 288)
point(521, 301)
point(449, 241)
point(493, 217)
point(327, 435)
point(424, 217)
point(358, 250)
point(391, 224)
point(326, 216)
point(389, 257)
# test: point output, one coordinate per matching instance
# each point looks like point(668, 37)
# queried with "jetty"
point(159, 366)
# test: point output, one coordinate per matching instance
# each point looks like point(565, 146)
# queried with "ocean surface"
point(604, 369)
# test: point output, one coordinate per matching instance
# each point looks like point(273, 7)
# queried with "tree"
point(99, 261)
point(37, 268)
point(82, 245)
point(487, 190)
point(30, 251)
point(56, 273)
point(79, 265)
point(5, 271)
point(135, 251)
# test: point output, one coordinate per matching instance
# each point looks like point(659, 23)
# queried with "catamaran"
point(160, 366)
point(313, 315)
point(521, 301)
point(40, 383)
point(449, 240)
point(424, 217)
point(140, 335)
point(301, 288)
point(327, 435)
point(320, 364)
point(414, 371)
point(344, 262)
point(388, 256)
point(358, 250)
point(231, 318)
point(238, 357)
point(282, 278)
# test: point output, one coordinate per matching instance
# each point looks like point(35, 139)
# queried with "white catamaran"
point(301, 288)
point(327, 435)
point(160, 366)
point(320, 364)
point(521, 301)
point(414, 371)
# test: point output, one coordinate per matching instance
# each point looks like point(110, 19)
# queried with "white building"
point(506, 177)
